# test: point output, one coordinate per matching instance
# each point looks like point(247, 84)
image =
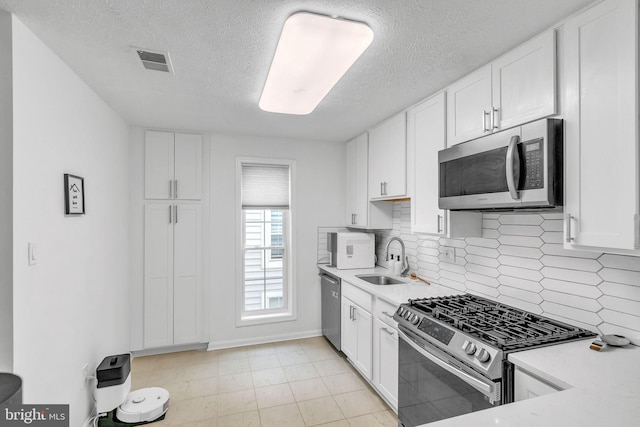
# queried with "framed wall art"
point(73, 195)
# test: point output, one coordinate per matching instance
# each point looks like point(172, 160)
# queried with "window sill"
point(261, 319)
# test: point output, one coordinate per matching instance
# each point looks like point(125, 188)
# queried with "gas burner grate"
point(501, 325)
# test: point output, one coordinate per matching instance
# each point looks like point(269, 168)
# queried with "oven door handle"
point(513, 175)
point(490, 390)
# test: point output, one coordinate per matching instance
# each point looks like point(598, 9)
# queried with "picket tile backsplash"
point(520, 260)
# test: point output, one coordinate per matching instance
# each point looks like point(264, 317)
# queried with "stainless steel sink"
point(378, 279)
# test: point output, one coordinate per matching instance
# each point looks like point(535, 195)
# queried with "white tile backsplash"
point(520, 260)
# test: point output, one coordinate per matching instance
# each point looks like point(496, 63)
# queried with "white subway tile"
point(571, 313)
point(621, 291)
point(608, 328)
point(532, 242)
point(490, 223)
point(530, 297)
point(620, 304)
point(620, 262)
point(573, 322)
point(484, 280)
point(422, 250)
point(522, 273)
point(626, 277)
point(428, 243)
point(516, 282)
point(490, 234)
point(528, 263)
point(552, 225)
point(452, 284)
point(576, 301)
point(571, 263)
point(479, 250)
point(445, 274)
point(520, 251)
point(521, 230)
point(456, 243)
point(558, 215)
point(428, 258)
point(519, 219)
point(587, 291)
point(460, 269)
point(558, 249)
point(485, 271)
point(481, 260)
point(571, 275)
point(490, 215)
point(552, 237)
point(483, 290)
point(481, 241)
point(459, 260)
point(621, 319)
point(523, 305)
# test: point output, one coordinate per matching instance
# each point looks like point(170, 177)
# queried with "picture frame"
point(73, 195)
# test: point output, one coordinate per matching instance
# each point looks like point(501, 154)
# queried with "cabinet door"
point(158, 165)
point(351, 184)
point(387, 361)
point(187, 288)
point(364, 326)
point(469, 107)
point(426, 136)
point(349, 339)
point(396, 158)
point(378, 141)
point(361, 197)
point(524, 82)
point(526, 386)
point(158, 275)
point(188, 166)
point(601, 127)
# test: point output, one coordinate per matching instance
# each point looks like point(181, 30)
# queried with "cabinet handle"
point(387, 314)
point(170, 221)
point(381, 189)
point(355, 219)
point(439, 224)
point(176, 213)
point(485, 113)
point(390, 332)
point(353, 316)
point(567, 228)
point(513, 175)
point(175, 189)
point(171, 189)
point(494, 119)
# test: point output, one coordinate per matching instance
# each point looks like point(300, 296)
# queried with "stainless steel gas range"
point(453, 354)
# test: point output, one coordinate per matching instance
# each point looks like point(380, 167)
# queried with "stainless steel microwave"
point(519, 168)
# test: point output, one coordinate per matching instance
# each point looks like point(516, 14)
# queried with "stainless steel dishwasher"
point(331, 308)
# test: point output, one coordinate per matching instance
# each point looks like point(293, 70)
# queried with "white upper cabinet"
point(173, 166)
point(601, 128)
point(388, 159)
point(425, 137)
point(517, 88)
point(360, 212)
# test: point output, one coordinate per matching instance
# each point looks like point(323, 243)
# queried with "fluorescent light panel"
point(313, 53)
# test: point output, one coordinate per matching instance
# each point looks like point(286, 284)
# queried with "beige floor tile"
point(192, 410)
point(211, 422)
point(378, 419)
point(266, 361)
point(260, 350)
point(296, 357)
point(343, 383)
point(235, 382)
point(309, 389)
point(314, 342)
point(231, 354)
point(282, 416)
point(233, 366)
point(269, 377)
point(200, 388)
point(177, 391)
point(243, 419)
point(236, 402)
point(160, 377)
point(320, 411)
point(196, 357)
point(319, 353)
point(284, 346)
point(340, 423)
point(332, 367)
point(300, 372)
point(144, 363)
point(274, 395)
point(198, 371)
point(359, 402)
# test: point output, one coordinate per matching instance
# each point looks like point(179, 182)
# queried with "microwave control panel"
point(533, 164)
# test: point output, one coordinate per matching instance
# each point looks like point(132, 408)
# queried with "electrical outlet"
point(450, 254)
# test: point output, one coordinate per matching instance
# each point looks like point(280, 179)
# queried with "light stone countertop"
point(600, 388)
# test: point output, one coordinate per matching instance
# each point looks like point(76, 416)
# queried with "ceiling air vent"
point(155, 60)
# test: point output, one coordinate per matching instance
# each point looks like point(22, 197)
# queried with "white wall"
point(6, 187)
point(70, 309)
point(320, 201)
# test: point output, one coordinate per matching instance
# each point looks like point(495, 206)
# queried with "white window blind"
point(265, 186)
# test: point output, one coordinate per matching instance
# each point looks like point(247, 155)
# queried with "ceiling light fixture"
point(313, 53)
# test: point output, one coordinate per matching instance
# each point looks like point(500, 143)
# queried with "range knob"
point(415, 320)
point(407, 314)
point(400, 311)
point(469, 347)
point(483, 356)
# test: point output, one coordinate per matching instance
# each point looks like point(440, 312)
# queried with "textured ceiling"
point(221, 51)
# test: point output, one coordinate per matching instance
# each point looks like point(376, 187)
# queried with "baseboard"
point(172, 349)
point(219, 345)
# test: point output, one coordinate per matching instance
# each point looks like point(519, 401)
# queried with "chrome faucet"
point(405, 260)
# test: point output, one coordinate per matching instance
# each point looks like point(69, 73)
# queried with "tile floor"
point(290, 383)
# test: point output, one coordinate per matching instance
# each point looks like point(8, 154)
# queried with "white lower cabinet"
point(356, 336)
point(385, 372)
point(527, 386)
point(172, 274)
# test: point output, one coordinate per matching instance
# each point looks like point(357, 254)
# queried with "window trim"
point(262, 317)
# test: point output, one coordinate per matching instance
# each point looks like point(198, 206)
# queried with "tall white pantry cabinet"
point(173, 310)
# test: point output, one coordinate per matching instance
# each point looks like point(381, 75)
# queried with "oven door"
point(434, 386)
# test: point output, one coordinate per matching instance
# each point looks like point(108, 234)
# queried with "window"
point(265, 290)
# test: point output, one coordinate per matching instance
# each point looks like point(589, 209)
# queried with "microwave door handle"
point(513, 175)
